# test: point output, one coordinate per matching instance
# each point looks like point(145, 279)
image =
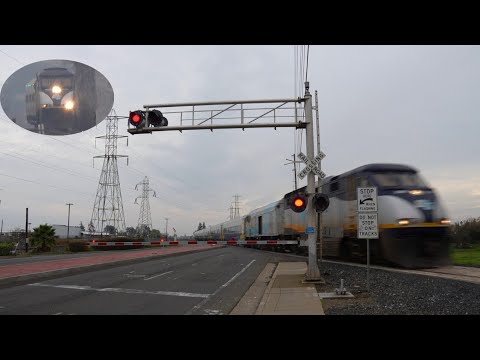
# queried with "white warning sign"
point(367, 226)
point(367, 199)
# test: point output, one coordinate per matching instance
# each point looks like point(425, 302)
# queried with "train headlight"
point(69, 105)
point(415, 192)
point(445, 222)
point(403, 221)
point(56, 89)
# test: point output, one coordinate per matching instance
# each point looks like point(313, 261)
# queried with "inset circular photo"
point(57, 97)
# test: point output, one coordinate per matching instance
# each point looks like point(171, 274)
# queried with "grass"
point(466, 256)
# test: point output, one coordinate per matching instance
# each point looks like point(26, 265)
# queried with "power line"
point(36, 182)
point(11, 57)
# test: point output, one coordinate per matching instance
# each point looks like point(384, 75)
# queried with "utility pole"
point(294, 162)
point(26, 231)
point(166, 230)
point(68, 224)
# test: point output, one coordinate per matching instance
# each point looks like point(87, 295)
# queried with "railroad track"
point(461, 273)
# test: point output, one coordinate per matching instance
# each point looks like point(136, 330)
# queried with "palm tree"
point(43, 237)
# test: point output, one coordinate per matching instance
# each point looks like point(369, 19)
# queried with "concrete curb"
point(266, 294)
point(52, 274)
point(248, 304)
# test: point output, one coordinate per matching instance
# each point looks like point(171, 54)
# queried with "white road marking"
point(189, 312)
point(126, 291)
point(213, 312)
point(152, 277)
point(60, 313)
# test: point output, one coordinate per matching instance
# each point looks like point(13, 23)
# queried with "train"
point(50, 101)
point(414, 230)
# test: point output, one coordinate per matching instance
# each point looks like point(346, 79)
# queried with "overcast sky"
point(414, 105)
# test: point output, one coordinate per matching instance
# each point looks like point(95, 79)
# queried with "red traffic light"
point(298, 203)
point(137, 118)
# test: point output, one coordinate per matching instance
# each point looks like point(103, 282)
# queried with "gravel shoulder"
point(397, 293)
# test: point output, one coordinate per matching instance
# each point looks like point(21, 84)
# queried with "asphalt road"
point(204, 283)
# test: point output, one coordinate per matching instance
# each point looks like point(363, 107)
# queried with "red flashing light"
point(136, 118)
point(298, 202)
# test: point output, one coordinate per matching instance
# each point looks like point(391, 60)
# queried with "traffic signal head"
point(320, 202)
point(156, 118)
point(298, 202)
point(137, 118)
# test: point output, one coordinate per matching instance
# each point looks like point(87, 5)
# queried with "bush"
point(466, 232)
point(6, 248)
point(77, 246)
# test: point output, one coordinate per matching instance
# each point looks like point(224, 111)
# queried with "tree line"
point(466, 232)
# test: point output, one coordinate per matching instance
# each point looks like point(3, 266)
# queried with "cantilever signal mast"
point(144, 217)
point(273, 113)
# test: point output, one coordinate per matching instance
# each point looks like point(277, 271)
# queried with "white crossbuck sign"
point(311, 165)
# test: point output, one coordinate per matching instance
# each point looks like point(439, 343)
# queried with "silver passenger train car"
point(414, 229)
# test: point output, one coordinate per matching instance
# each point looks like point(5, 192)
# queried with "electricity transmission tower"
point(107, 214)
point(236, 207)
point(144, 217)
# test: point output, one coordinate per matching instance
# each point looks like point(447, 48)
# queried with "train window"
point(399, 179)
point(259, 225)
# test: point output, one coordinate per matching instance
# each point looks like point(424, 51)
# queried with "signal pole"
point(313, 272)
point(68, 224)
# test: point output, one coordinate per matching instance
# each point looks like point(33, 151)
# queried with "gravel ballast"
point(394, 293)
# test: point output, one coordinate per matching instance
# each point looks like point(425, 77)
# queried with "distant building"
point(61, 231)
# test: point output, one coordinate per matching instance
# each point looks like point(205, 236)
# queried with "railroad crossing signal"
point(320, 202)
point(311, 165)
point(138, 118)
point(297, 202)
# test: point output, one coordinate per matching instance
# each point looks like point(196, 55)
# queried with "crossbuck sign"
point(311, 165)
